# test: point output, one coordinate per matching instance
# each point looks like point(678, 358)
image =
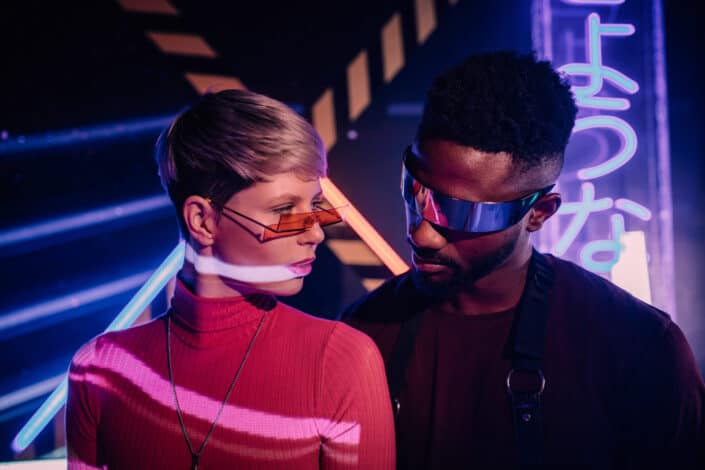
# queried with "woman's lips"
point(302, 268)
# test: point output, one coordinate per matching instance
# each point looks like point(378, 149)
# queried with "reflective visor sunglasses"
point(458, 214)
point(292, 224)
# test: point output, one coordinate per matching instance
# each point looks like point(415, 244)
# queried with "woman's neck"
point(212, 286)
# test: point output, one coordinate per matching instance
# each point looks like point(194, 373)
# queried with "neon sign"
point(616, 180)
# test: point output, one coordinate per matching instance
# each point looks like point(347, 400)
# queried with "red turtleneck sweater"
point(311, 395)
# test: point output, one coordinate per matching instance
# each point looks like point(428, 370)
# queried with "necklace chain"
point(195, 455)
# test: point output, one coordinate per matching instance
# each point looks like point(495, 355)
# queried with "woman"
point(229, 376)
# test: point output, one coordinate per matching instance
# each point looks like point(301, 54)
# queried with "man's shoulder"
point(593, 295)
point(389, 303)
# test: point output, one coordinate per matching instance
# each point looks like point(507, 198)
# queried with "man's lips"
point(428, 265)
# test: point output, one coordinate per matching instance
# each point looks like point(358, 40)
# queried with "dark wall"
point(685, 51)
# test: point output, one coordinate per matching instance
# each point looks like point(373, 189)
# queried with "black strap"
point(527, 354)
point(399, 359)
point(529, 330)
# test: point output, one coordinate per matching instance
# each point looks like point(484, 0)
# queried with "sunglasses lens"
point(461, 215)
point(293, 222)
point(329, 217)
point(290, 223)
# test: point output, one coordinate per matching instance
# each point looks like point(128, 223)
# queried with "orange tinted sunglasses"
point(291, 224)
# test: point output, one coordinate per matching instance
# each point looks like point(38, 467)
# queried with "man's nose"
point(421, 234)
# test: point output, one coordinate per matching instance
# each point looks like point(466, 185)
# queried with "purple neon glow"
point(541, 28)
point(627, 138)
point(593, 2)
point(557, 18)
point(41, 417)
point(612, 245)
point(15, 318)
point(23, 144)
point(83, 220)
point(581, 211)
point(633, 208)
point(25, 394)
point(407, 109)
point(87, 134)
point(665, 214)
point(125, 318)
point(588, 205)
point(596, 71)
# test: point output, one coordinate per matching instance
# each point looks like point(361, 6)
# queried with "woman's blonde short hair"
point(230, 140)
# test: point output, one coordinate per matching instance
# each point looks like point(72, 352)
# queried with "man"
point(498, 356)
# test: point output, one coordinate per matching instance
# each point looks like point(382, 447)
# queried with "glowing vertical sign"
point(616, 180)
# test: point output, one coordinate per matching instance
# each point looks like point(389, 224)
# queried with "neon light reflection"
point(87, 134)
point(83, 220)
point(77, 299)
point(364, 230)
point(168, 269)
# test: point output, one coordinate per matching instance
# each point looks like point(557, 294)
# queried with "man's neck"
point(497, 292)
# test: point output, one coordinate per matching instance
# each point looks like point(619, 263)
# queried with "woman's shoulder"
point(330, 332)
point(110, 345)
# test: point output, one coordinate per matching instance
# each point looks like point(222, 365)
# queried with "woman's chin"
point(281, 288)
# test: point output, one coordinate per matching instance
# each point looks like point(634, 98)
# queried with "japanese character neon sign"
point(616, 180)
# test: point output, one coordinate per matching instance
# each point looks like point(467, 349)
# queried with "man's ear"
point(543, 210)
point(201, 219)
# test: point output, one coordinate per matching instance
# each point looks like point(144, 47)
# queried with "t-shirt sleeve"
point(355, 415)
point(668, 405)
point(81, 412)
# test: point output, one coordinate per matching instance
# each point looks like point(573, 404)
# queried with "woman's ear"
point(201, 219)
point(543, 210)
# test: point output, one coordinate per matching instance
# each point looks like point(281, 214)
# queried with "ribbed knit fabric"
point(311, 395)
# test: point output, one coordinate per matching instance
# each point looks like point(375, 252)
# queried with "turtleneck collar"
point(203, 321)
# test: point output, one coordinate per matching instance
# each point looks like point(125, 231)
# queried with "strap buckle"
point(539, 374)
point(526, 402)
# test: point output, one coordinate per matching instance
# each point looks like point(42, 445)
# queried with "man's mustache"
point(430, 255)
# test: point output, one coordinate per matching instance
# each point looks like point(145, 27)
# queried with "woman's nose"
point(312, 235)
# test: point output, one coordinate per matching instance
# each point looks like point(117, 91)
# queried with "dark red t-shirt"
point(622, 387)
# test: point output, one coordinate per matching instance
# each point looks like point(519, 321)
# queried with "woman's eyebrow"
point(287, 197)
point(290, 197)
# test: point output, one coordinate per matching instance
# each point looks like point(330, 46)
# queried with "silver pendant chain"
point(195, 456)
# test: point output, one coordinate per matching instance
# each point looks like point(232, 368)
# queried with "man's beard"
point(460, 278)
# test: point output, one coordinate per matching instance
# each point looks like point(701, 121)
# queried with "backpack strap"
point(399, 359)
point(527, 359)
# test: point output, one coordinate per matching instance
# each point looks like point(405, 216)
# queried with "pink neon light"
point(236, 418)
point(305, 447)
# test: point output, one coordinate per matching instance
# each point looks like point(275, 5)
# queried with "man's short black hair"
point(501, 102)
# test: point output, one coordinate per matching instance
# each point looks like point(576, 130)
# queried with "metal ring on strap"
point(537, 372)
